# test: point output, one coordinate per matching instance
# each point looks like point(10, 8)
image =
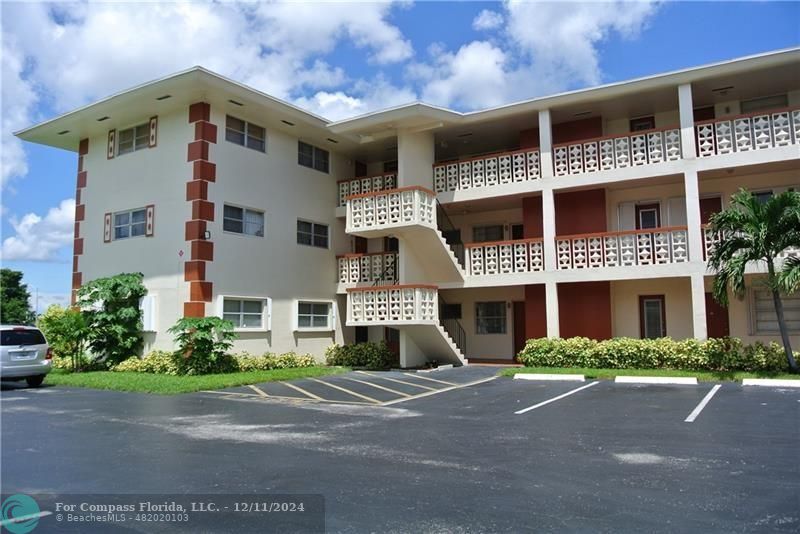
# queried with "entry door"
point(519, 328)
point(648, 216)
point(360, 245)
point(392, 338)
point(717, 323)
point(708, 207)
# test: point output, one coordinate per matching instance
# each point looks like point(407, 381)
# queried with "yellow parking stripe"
point(431, 379)
point(379, 387)
point(398, 381)
point(301, 390)
point(258, 390)
point(353, 393)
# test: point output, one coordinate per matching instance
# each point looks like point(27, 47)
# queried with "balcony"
point(656, 246)
point(371, 213)
point(505, 257)
point(365, 184)
point(753, 131)
point(711, 238)
point(412, 304)
point(618, 152)
point(377, 268)
point(487, 171)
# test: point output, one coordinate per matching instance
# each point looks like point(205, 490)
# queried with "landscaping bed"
point(609, 374)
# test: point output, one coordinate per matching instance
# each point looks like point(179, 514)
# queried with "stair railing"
point(448, 229)
point(453, 328)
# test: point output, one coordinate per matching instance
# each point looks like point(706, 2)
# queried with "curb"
point(682, 380)
point(772, 382)
point(552, 377)
point(445, 366)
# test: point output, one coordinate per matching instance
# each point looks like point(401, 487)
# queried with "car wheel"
point(35, 381)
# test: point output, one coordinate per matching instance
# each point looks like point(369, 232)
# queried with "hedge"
point(172, 363)
point(369, 355)
point(723, 354)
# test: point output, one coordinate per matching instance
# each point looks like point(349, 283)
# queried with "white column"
point(545, 144)
point(699, 306)
point(687, 121)
point(415, 158)
point(549, 229)
point(551, 304)
point(694, 232)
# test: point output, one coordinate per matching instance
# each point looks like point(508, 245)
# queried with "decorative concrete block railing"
point(365, 184)
point(380, 267)
point(391, 209)
point(656, 246)
point(393, 304)
point(711, 238)
point(753, 131)
point(505, 257)
point(487, 171)
point(617, 152)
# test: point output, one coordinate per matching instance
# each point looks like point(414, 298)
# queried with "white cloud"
point(39, 238)
point(41, 301)
point(363, 97)
point(487, 20)
point(18, 99)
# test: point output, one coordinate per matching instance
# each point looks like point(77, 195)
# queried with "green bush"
point(369, 355)
point(80, 363)
point(173, 363)
point(203, 343)
point(269, 361)
point(157, 361)
point(67, 335)
point(723, 354)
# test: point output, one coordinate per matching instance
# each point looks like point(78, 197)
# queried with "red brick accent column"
point(80, 215)
point(201, 250)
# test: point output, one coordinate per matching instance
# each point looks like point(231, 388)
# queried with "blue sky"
point(335, 59)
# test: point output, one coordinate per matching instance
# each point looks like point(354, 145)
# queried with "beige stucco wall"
point(621, 126)
point(677, 301)
point(466, 222)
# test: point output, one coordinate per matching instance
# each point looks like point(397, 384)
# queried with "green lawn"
point(170, 385)
point(609, 374)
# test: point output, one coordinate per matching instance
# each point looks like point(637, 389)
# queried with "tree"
point(110, 307)
point(203, 343)
point(756, 231)
point(66, 332)
point(15, 307)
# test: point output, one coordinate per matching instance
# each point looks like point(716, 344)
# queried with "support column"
point(694, 232)
point(551, 301)
point(415, 158)
point(546, 144)
point(686, 107)
point(699, 306)
point(549, 229)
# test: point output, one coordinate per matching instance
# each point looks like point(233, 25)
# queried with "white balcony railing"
point(365, 184)
point(754, 131)
point(393, 304)
point(657, 246)
point(380, 267)
point(486, 171)
point(606, 153)
point(505, 257)
point(711, 238)
point(391, 209)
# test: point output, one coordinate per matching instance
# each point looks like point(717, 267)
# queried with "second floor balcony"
point(505, 257)
point(656, 246)
point(375, 268)
point(487, 171)
point(752, 131)
point(382, 211)
point(394, 304)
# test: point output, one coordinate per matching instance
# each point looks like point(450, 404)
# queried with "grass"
point(609, 374)
point(171, 385)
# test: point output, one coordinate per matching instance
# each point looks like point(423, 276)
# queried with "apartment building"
point(452, 236)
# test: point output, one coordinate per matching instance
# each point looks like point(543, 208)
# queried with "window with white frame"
point(490, 317)
point(313, 157)
point(243, 221)
point(133, 139)
point(131, 223)
point(244, 313)
point(312, 234)
point(245, 134)
point(765, 320)
point(314, 315)
point(483, 234)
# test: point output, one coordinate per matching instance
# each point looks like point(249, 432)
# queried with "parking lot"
point(471, 454)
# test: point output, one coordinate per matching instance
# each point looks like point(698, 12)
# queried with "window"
point(314, 315)
point(643, 123)
point(22, 337)
point(243, 221)
point(764, 103)
point(245, 134)
point(312, 234)
point(490, 317)
point(129, 223)
point(648, 216)
point(362, 334)
point(652, 317)
point(244, 313)
point(762, 196)
point(132, 139)
point(482, 234)
point(765, 320)
point(313, 157)
point(450, 311)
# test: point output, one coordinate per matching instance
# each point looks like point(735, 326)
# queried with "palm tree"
point(755, 231)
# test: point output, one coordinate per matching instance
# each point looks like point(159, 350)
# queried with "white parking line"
point(554, 399)
point(378, 387)
point(398, 381)
point(699, 408)
point(301, 390)
point(431, 379)
point(437, 391)
point(353, 393)
point(258, 390)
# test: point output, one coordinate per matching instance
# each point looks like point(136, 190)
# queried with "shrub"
point(723, 354)
point(157, 361)
point(269, 361)
point(66, 333)
point(369, 355)
point(203, 344)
